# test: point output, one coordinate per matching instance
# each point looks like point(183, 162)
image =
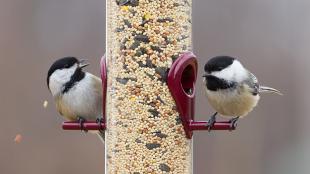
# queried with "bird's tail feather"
point(101, 136)
point(266, 89)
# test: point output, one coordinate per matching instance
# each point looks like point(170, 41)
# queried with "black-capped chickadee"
point(231, 89)
point(78, 94)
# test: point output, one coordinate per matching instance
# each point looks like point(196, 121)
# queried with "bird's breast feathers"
point(233, 102)
point(84, 99)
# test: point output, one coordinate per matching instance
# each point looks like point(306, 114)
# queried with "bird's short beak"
point(83, 63)
point(205, 75)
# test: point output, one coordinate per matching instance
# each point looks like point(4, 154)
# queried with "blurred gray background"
point(271, 38)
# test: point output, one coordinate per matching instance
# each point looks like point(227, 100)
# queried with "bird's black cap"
point(62, 63)
point(218, 63)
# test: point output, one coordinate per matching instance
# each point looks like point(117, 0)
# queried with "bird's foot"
point(99, 121)
point(81, 121)
point(233, 123)
point(211, 121)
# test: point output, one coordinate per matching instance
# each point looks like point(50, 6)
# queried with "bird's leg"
point(99, 121)
point(211, 121)
point(233, 122)
point(81, 121)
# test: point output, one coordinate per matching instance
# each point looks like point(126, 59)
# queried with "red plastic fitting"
point(181, 82)
point(92, 125)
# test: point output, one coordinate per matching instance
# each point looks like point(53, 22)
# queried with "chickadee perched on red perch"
point(78, 94)
point(231, 89)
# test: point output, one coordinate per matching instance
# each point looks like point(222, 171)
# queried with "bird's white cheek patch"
point(56, 84)
point(235, 72)
point(59, 78)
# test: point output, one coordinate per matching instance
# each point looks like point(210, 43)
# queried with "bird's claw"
point(99, 121)
point(211, 121)
point(233, 123)
point(81, 121)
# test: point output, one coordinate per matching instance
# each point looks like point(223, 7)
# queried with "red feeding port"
point(181, 82)
point(92, 125)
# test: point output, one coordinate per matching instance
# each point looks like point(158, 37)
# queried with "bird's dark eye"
point(66, 66)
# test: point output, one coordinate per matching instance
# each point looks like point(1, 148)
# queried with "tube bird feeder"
point(144, 130)
point(148, 75)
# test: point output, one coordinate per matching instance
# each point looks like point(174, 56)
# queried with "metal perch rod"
point(194, 126)
point(68, 125)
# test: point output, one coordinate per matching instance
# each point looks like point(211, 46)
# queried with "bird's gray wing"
point(97, 84)
point(252, 82)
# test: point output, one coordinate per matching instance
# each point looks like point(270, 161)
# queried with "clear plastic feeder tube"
point(144, 132)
